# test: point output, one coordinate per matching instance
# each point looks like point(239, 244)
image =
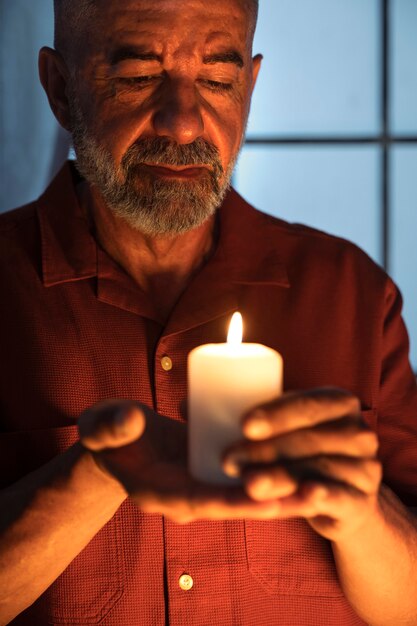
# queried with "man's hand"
point(313, 452)
point(146, 453)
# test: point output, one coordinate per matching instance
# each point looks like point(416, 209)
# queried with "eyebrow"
point(224, 57)
point(129, 53)
point(126, 53)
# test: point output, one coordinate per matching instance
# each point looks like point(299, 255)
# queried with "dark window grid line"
point(381, 140)
point(384, 139)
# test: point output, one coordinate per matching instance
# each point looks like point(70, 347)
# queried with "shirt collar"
point(245, 256)
point(69, 252)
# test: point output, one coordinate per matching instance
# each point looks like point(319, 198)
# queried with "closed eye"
point(216, 85)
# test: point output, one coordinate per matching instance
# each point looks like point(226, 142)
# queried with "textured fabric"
point(75, 329)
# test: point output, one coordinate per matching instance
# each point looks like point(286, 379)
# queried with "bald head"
point(73, 19)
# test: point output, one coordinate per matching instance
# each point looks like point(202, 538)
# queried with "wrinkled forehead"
point(89, 26)
point(195, 21)
point(191, 19)
point(181, 8)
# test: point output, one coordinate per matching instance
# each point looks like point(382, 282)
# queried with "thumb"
point(112, 424)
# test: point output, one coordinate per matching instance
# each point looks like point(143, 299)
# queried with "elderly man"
point(125, 264)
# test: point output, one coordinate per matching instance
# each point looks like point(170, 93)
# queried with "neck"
point(162, 265)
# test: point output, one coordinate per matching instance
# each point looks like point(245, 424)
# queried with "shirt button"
point(186, 582)
point(166, 363)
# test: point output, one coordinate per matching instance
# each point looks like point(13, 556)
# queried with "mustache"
point(163, 151)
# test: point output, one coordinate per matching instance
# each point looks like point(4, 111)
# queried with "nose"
point(178, 114)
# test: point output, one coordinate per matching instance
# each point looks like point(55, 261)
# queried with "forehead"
point(171, 23)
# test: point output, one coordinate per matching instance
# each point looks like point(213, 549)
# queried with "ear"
point(256, 66)
point(54, 74)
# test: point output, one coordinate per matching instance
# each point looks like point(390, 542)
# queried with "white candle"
point(225, 380)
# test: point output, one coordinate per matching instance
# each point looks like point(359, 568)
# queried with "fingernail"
point(262, 484)
point(257, 425)
point(233, 471)
point(320, 492)
point(233, 463)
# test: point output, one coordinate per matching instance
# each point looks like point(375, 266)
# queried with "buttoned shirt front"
point(76, 329)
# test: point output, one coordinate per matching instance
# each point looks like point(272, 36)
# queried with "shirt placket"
point(170, 373)
point(191, 575)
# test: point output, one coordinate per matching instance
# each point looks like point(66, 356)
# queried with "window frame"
point(385, 139)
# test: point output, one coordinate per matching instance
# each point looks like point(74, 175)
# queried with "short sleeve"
point(397, 403)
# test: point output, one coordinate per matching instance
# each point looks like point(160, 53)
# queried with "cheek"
point(117, 123)
point(226, 124)
point(227, 136)
point(115, 135)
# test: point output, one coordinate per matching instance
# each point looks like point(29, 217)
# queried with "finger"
point(363, 474)
point(262, 485)
point(306, 502)
point(201, 502)
point(331, 509)
point(296, 410)
point(216, 510)
point(344, 437)
point(111, 425)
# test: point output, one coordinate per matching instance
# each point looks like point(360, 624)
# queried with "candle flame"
point(234, 336)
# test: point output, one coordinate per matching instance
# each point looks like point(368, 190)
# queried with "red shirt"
point(76, 329)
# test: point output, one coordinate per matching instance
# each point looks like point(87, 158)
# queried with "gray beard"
point(152, 205)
